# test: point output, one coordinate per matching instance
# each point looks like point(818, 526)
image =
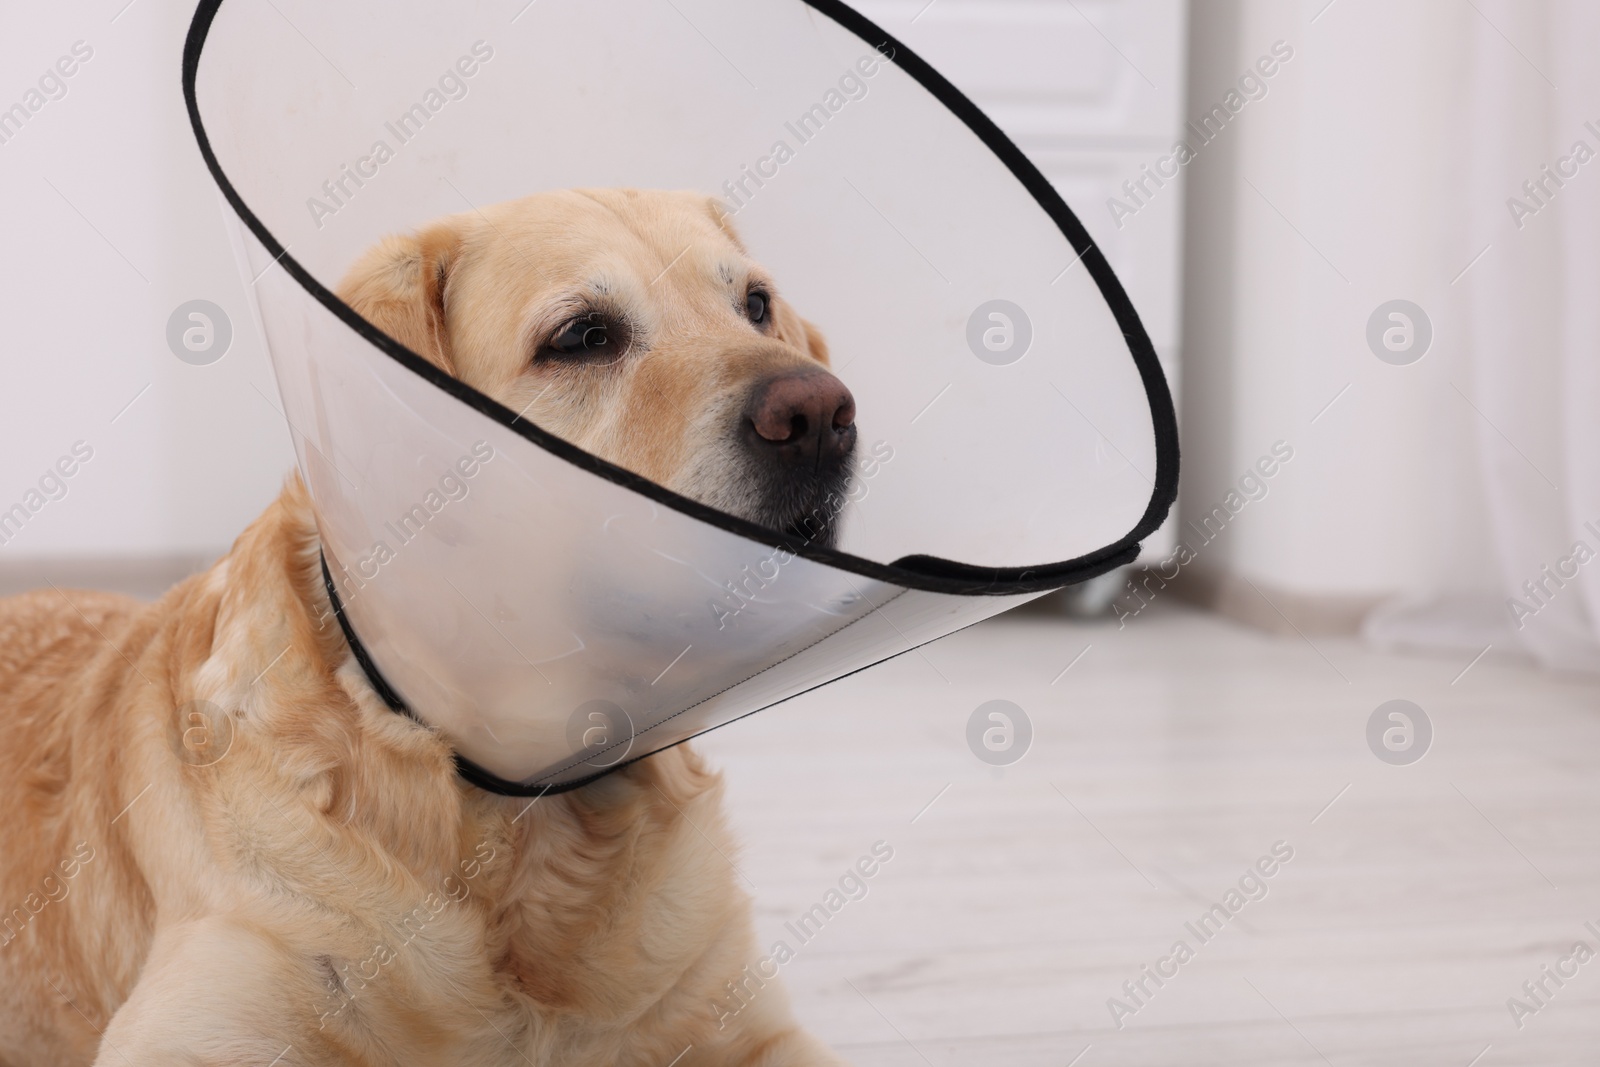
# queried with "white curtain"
point(1534, 315)
point(1527, 318)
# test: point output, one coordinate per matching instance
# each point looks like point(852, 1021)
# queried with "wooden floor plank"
point(1170, 757)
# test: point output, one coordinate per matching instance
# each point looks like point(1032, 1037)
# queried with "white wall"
point(111, 223)
point(1337, 191)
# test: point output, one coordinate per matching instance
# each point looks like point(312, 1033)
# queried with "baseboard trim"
point(143, 577)
point(1269, 607)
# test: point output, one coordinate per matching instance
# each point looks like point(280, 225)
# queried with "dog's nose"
point(804, 415)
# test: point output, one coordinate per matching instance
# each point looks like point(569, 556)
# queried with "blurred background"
point(1365, 239)
point(1381, 159)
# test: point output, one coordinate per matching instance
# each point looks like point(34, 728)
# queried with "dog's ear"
point(791, 329)
point(816, 344)
point(399, 286)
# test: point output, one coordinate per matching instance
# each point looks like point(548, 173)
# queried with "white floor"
point(1170, 757)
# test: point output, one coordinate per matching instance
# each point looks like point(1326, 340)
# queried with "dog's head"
point(634, 325)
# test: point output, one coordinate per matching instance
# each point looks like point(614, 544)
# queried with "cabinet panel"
point(1053, 70)
point(1092, 91)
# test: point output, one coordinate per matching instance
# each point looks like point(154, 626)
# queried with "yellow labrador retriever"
point(328, 890)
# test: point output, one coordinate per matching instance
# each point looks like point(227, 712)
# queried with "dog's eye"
point(587, 336)
point(755, 306)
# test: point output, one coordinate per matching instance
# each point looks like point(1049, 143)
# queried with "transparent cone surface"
point(550, 615)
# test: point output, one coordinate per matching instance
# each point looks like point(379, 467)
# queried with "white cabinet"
point(1092, 91)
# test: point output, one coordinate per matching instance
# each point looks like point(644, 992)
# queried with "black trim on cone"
point(929, 573)
point(493, 783)
point(464, 767)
